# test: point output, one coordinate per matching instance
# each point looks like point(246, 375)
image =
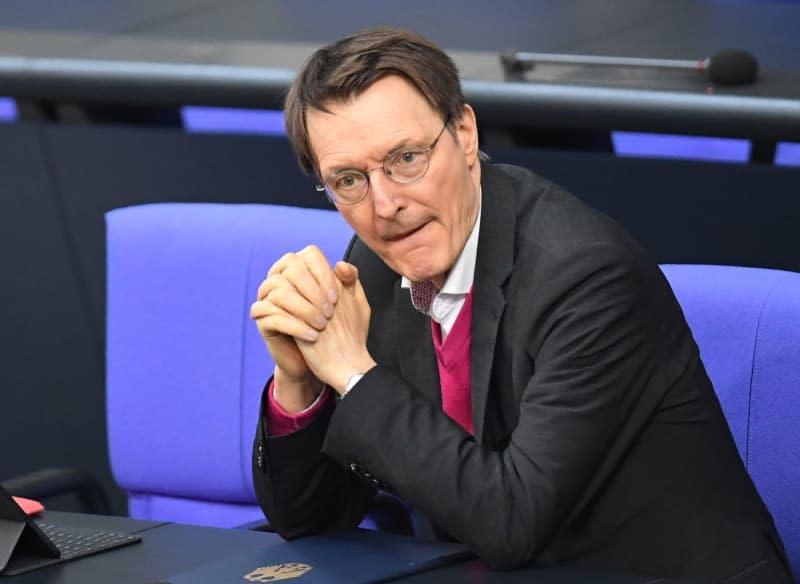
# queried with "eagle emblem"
point(277, 572)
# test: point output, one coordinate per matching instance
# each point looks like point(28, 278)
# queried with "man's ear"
point(467, 133)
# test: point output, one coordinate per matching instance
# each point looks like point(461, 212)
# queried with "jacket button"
point(260, 457)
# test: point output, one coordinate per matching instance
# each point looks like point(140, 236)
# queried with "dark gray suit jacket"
point(598, 441)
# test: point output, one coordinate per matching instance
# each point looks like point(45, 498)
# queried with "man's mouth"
point(405, 234)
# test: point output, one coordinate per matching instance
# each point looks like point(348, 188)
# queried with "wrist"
point(349, 376)
point(295, 395)
point(351, 382)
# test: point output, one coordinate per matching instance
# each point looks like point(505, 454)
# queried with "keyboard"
point(75, 542)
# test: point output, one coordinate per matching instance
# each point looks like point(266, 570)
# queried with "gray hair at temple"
point(346, 68)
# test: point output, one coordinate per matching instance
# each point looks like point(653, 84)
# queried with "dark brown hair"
point(349, 66)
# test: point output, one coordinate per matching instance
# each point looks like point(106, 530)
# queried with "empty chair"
point(185, 364)
point(746, 322)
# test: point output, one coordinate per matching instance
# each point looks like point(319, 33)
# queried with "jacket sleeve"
point(591, 344)
point(301, 490)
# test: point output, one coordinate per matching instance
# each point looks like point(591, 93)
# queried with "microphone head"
point(732, 67)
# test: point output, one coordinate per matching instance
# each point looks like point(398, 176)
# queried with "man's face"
point(418, 229)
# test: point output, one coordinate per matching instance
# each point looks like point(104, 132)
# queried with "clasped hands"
point(314, 320)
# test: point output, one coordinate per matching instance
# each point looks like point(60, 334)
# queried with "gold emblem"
point(277, 572)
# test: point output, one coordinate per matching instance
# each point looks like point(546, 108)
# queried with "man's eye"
point(348, 181)
point(407, 157)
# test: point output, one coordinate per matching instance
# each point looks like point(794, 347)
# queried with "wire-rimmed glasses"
point(404, 165)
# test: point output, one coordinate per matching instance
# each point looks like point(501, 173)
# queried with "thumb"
point(347, 273)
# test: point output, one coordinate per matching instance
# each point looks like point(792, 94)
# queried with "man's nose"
point(385, 197)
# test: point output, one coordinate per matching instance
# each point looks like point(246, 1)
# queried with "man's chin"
point(420, 275)
point(415, 271)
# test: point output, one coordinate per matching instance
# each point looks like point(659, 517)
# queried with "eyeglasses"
point(404, 165)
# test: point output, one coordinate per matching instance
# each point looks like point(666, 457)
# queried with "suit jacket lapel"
point(416, 355)
point(494, 263)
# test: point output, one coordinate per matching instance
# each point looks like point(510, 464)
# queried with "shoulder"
point(551, 221)
point(562, 246)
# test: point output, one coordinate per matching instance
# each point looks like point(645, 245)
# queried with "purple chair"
point(185, 364)
point(746, 322)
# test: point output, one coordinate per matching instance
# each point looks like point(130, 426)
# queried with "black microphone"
point(727, 67)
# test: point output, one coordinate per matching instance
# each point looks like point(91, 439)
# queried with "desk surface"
point(245, 53)
point(168, 549)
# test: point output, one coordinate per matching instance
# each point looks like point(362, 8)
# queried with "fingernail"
point(327, 310)
point(333, 295)
point(320, 321)
point(311, 335)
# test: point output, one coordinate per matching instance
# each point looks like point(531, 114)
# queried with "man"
point(549, 405)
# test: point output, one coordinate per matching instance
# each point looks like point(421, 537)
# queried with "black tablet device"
point(27, 544)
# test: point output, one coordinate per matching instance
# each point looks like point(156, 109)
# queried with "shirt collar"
point(462, 274)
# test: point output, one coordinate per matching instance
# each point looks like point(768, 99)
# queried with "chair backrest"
point(185, 364)
point(746, 322)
